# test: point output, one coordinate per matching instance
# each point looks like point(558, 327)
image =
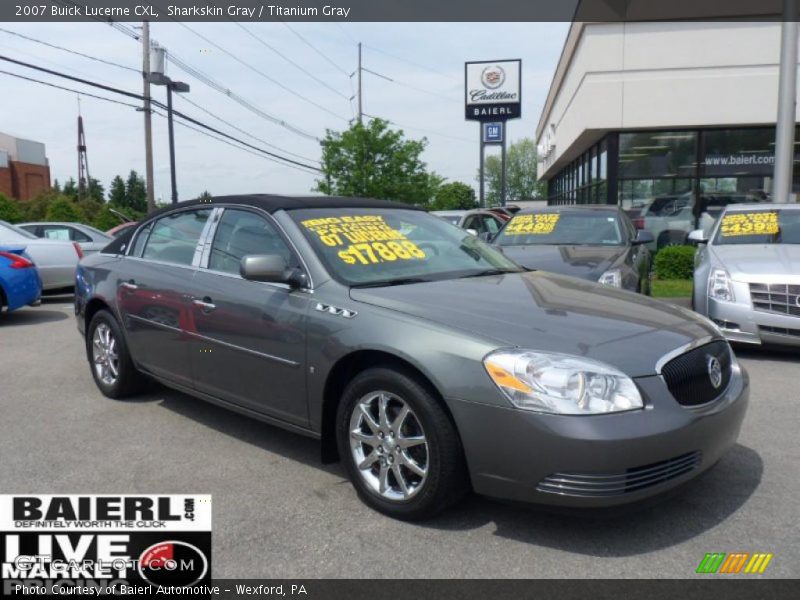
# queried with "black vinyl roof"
point(272, 203)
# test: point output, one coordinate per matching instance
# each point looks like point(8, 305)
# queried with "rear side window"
point(242, 233)
point(173, 238)
point(60, 232)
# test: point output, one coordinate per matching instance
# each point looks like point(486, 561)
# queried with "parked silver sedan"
point(55, 259)
point(91, 240)
point(747, 273)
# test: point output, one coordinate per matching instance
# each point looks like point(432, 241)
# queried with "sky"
point(425, 98)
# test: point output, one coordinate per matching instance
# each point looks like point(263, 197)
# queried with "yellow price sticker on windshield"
point(364, 239)
point(536, 224)
point(755, 223)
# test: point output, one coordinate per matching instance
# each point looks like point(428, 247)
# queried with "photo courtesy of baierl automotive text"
point(408, 300)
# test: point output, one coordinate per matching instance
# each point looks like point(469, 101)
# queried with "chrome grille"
point(780, 298)
point(593, 485)
point(779, 330)
point(687, 376)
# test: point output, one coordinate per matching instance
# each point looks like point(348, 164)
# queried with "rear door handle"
point(205, 304)
point(129, 285)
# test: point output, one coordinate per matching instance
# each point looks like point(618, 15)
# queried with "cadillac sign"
point(493, 90)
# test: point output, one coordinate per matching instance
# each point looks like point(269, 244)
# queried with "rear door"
point(250, 335)
point(154, 292)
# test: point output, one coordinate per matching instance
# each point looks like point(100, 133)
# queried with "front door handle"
point(205, 304)
point(129, 285)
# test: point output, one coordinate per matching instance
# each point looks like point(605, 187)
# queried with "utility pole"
point(787, 103)
point(360, 109)
point(148, 120)
point(84, 179)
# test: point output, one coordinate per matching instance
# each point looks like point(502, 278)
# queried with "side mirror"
point(271, 268)
point(472, 232)
point(698, 236)
point(643, 237)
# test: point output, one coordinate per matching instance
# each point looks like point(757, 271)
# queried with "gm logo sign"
point(735, 562)
point(492, 133)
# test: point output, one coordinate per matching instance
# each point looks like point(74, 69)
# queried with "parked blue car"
point(20, 284)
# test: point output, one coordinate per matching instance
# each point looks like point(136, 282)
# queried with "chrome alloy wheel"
point(388, 446)
point(104, 354)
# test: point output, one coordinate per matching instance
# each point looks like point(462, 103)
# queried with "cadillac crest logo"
point(493, 76)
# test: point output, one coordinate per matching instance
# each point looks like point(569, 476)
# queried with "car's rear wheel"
point(112, 368)
point(400, 448)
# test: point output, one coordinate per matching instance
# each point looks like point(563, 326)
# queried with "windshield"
point(566, 228)
point(368, 246)
point(759, 227)
point(19, 230)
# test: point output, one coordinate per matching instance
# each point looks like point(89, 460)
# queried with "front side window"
point(173, 238)
point(369, 246)
point(242, 233)
point(575, 228)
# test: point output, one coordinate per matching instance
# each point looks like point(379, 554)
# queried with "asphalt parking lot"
point(279, 513)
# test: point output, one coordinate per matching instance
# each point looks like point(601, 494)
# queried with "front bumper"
point(600, 460)
point(739, 322)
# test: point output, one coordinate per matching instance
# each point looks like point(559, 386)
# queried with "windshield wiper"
point(487, 272)
point(390, 282)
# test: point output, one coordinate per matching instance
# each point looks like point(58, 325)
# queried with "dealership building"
point(645, 110)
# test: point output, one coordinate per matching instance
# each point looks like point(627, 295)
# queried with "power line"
point(428, 131)
point(66, 89)
point(159, 104)
point(185, 98)
point(289, 60)
point(202, 77)
point(314, 48)
point(408, 85)
point(412, 63)
point(75, 52)
point(258, 71)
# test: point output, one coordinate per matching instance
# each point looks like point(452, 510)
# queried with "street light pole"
point(171, 145)
point(787, 103)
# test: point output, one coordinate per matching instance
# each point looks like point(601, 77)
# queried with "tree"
point(371, 160)
point(521, 165)
point(117, 195)
point(96, 190)
point(64, 209)
point(9, 211)
point(105, 219)
point(70, 189)
point(205, 195)
point(136, 192)
point(454, 196)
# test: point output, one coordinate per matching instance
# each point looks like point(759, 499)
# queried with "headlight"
point(719, 286)
point(561, 384)
point(611, 278)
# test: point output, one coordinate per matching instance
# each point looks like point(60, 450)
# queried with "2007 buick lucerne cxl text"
point(422, 357)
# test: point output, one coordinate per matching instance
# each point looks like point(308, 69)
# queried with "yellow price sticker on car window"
point(537, 224)
point(755, 223)
point(363, 239)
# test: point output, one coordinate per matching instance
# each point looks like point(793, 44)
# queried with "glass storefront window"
point(657, 154)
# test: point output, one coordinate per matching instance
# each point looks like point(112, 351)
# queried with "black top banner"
point(391, 10)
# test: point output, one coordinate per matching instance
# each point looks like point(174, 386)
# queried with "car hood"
point(543, 311)
point(586, 262)
point(753, 262)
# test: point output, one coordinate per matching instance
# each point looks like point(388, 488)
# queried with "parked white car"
point(90, 240)
point(747, 273)
point(55, 259)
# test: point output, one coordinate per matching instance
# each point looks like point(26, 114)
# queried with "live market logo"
point(107, 544)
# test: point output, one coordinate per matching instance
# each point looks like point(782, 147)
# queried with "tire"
point(398, 450)
point(105, 342)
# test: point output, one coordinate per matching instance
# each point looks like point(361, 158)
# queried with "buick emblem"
point(493, 77)
point(714, 371)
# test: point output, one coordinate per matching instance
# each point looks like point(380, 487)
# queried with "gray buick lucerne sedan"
point(424, 359)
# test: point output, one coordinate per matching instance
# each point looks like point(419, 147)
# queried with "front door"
point(250, 336)
point(153, 293)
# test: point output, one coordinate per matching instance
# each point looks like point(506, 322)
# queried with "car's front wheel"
point(112, 368)
point(400, 448)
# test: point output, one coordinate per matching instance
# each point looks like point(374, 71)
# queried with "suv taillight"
point(78, 250)
point(17, 261)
